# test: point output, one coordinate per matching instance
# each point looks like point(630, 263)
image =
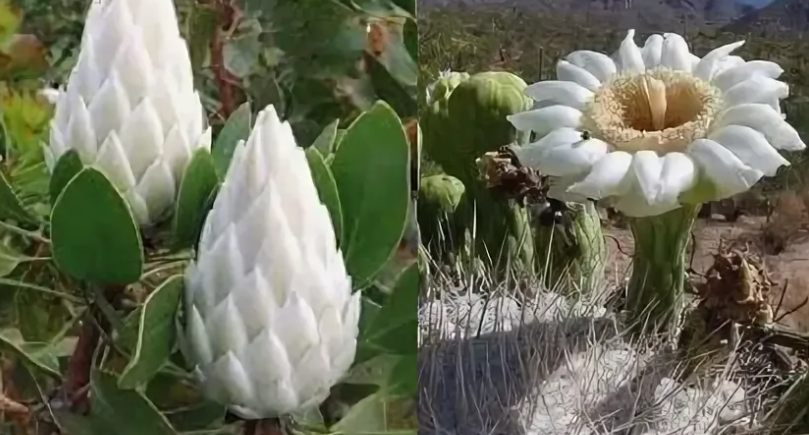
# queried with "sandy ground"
point(789, 268)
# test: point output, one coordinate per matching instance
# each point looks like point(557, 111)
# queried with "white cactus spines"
point(129, 106)
point(271, 322)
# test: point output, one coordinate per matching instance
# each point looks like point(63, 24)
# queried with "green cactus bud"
point(439, 197)
point(467, 118)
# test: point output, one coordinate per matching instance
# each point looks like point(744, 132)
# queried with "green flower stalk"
point(656, 131)
point(465, 117)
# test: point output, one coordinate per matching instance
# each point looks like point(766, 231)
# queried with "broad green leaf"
point(103, 247)
point(74, 424)
point(326, 189)
point(241, 54)
point(403, 381)
point(327, 139)
point(389, 89)
point(372, 169)
point(10, 20)
point(41, 355)
point(370, 417)
point(124, 412)
point(65, 169)
point(202, 24)
point(411, 38)
point(394, 326)
point(196, 417)
point(9, 260)
point(156, 334)
point(198, 182)
point(10, 205)
point(236, 128)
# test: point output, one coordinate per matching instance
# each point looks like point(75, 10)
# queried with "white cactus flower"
point(130, 107)
point(650, 126)
point(271, 321)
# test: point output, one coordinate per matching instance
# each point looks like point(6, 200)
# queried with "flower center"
point(659, 110)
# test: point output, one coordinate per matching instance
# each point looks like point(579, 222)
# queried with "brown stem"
point(81, 363)
point(224, 79)
point(267, 426)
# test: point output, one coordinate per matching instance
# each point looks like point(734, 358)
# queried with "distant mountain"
point(659, 15)
point(778, 17)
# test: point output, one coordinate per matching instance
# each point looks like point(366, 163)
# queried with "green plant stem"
point(655, 291)
point(572, 255)
point(37, 288)
point(25, 233)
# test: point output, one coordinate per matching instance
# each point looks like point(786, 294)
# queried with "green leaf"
point(10, 205)
point(394, 326)
point(9, 260)
point(411, 38)
point(40, 355)
point(124, 412)
point(403, 381)
point(10, 20)
point(372, 169)
point(236, 128)
point(65, 169)
point(156, 334)
point(389, 89)
point(196, 417)
point(73, 424)
point(326, 189)
point(327, 139)
point(202, 25)
point(198, 182)
point(241, 54)
point(369, 416)
point(102, 247)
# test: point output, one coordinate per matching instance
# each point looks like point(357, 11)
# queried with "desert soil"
point(788, 268)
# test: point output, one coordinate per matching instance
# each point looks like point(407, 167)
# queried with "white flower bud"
point(271, 322)
point(130, 107)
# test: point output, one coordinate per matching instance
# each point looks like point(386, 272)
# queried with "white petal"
point(756, 90)
point(751, 147)
point(763, 118)
point(565, 93)
point(533, 154)
point(568, 72)
point(112, 161)
point(542, 121)
point(598, 64)
point(570, 159)
point(158, 188)
point(706, 68)
point(608, 177)
point(727, 63)
point(634, 204)
point(109, 108)
point(652, 51)
point(675, 53)
point(79, 134)
point(559, 189)
point(728, 173)
point(679, 175)
point(648, 167)
point(630, 54)
point(737, 74)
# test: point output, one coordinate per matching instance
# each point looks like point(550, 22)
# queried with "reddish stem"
point(224, 79)
point(80, 365)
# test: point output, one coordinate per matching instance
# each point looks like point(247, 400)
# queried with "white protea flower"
point(652, 125)
point(271, 321)
point(130, 107)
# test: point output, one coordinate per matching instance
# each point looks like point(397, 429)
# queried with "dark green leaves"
point(156, 334)
point(326, 189)
point(199, 181)
point(371, 168)
point(94, 234)
point(236, 128)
